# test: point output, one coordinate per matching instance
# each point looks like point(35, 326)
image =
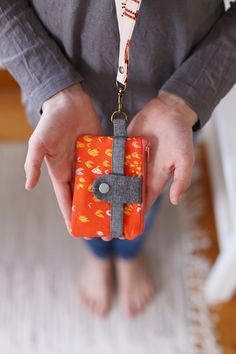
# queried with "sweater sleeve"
point(31, 55)
point(209, 72)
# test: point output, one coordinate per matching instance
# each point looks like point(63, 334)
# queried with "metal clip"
point(120, 100)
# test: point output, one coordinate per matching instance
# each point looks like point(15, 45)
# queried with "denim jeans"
point(126, 249)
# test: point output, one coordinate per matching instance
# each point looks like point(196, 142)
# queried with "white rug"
point(39, 266)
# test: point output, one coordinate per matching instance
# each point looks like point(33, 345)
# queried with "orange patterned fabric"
point(91, 216)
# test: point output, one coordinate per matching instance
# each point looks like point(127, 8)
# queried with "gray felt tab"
point(123, 189)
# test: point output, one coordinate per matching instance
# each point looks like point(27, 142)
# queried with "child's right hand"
point(65, 116)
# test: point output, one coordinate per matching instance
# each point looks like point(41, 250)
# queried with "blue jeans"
point(125, 249)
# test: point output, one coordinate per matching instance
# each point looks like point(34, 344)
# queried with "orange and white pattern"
point(91, 216)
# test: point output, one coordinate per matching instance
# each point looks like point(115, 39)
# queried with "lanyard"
point(127, 13)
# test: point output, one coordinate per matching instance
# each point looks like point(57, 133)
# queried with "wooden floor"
point(14, 127)
point(13, 123)
point(225, 312)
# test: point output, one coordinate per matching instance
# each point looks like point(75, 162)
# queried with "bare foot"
point(95, 286)
point(135, 284)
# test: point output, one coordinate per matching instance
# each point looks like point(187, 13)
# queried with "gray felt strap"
point(116, 188)
point(119, 126)
point(117, 220)
point(118, 159)
point(118, 155)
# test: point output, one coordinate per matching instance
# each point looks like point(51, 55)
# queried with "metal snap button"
point(121, 69)
point(104, 188)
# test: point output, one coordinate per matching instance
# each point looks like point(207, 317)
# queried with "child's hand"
point(65, 116)
point(166, 122)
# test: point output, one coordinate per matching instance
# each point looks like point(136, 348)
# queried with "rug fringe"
point(203, 336)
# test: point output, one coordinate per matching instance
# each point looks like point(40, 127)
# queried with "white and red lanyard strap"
point(127, 12)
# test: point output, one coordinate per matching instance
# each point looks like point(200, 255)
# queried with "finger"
point(103, 238)
point(64, 199)
point(33, 162)
point(72, 183)
point(107, 239)
point(156, 183)
point(181, 182)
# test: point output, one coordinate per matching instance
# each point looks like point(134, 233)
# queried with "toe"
point(102, 309)
point(82, 296)
point(141, 303)
point(93, 306)
point(88, 302)
point(129, 312)
point(147, 296)
point(129, 308)
point(150, 291)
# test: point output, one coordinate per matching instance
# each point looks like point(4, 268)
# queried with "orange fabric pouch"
point(91, 216)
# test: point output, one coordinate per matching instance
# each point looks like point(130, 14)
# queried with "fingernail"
point(26, 185)
point(106, 239)
point(174, 200)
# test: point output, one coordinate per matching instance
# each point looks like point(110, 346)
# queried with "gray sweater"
point(186, 47)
